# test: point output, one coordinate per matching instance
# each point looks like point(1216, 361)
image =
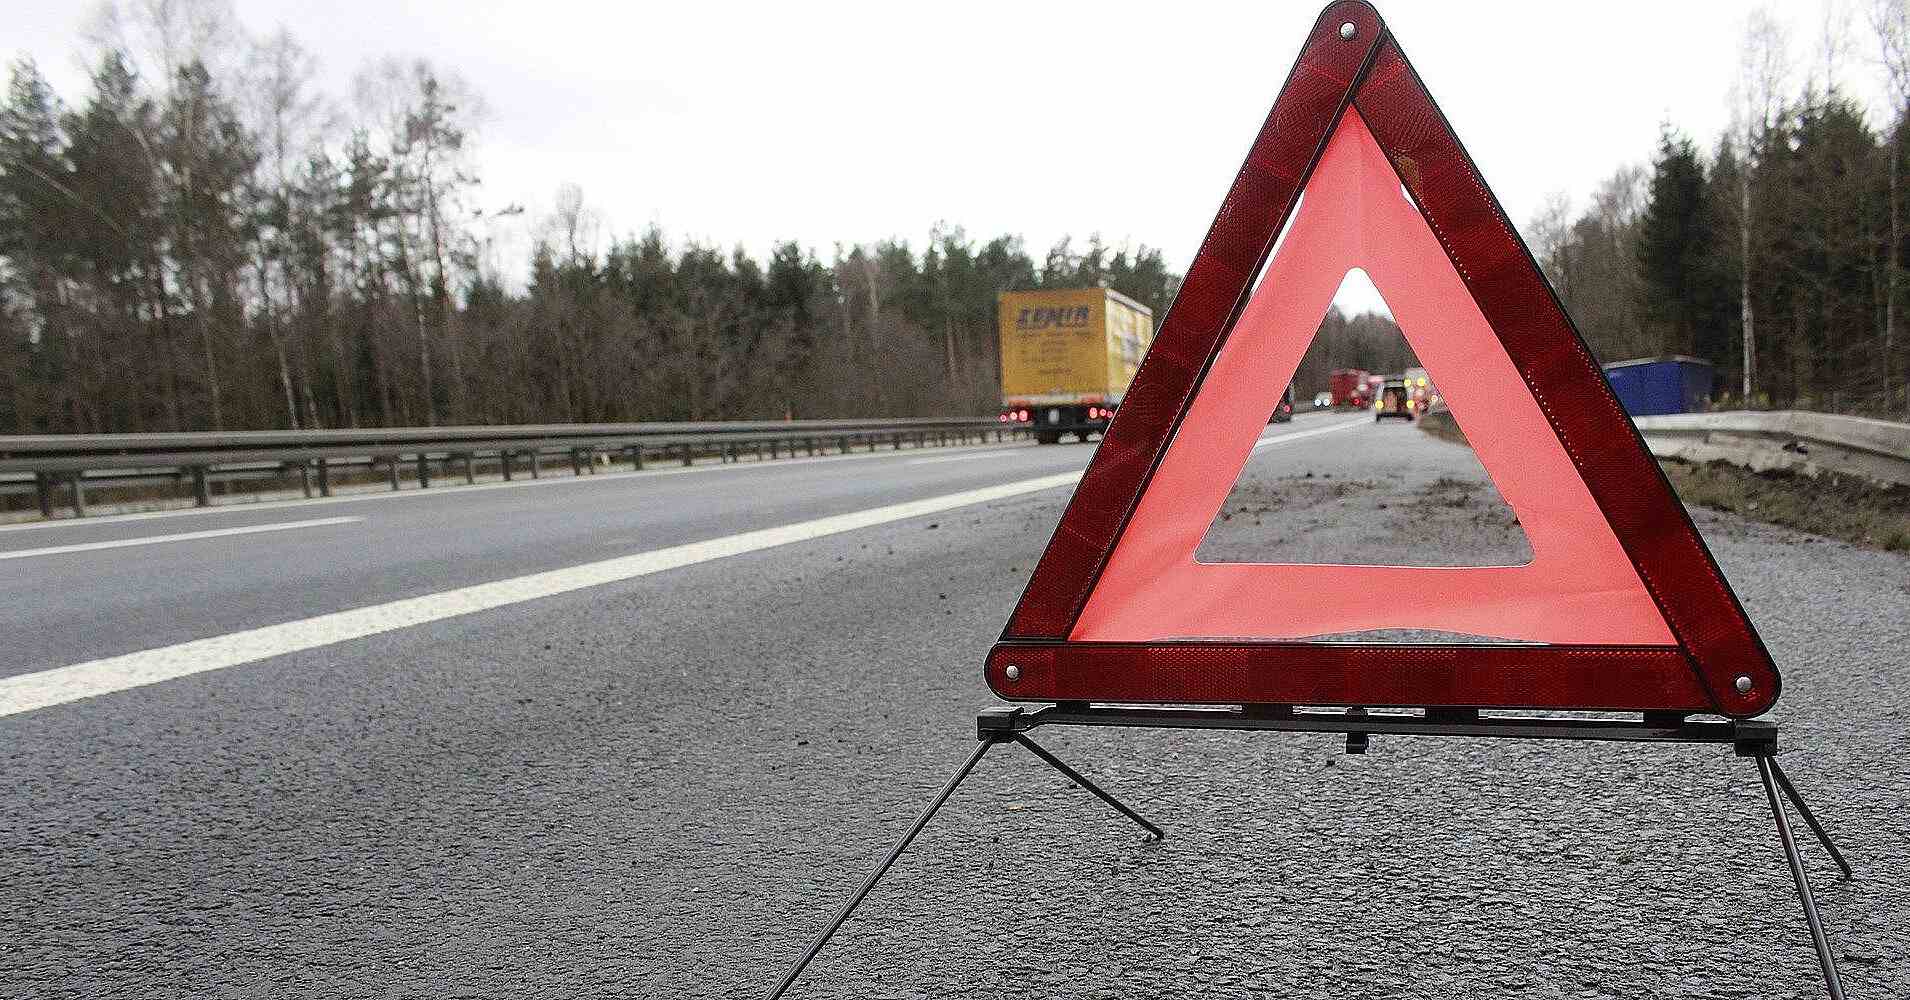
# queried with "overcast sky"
point(836, 123)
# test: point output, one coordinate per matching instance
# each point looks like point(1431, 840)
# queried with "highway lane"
point(67, 606)
point(660, 786)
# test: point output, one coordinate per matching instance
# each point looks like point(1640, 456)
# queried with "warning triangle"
point(1622, 606)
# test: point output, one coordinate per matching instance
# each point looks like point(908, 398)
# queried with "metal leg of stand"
point(1832, 981)
point(842, 914)
point(1790, 792)
point(1153, 832)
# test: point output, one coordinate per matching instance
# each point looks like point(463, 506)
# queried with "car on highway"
point(1393, 400)
point(1283, 410)
point(1420, 394)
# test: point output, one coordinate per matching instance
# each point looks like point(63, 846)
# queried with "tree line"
point(203, 240)
point(1778, 254)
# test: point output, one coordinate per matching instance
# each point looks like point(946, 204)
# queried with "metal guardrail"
point(1798, 440)
point(51, 464)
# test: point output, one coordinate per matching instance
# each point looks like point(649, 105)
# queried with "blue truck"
point(1674, 383)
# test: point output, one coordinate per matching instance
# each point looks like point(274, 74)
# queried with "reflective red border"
point(1614, 678)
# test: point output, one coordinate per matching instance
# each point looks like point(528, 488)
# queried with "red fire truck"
point(1348, 386)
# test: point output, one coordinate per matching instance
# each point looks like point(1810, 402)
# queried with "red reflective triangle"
point(1622, 606)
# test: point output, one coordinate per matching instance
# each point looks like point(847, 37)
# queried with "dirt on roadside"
point(1848, 508)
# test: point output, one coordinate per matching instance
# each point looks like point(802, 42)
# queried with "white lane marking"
point(1315, 432)
point(961, 458)
point(450, 490)
point(185, 536)
point(27, 692)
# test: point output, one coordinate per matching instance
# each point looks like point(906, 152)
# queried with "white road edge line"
point(1315, 432)
point(184, 536)
point(939, 459)
point(45, 688)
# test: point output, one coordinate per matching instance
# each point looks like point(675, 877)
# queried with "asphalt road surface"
point(638, 735)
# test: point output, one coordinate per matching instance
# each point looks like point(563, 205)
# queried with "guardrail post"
point(729, 452)
point(470, 469)
point(535, 467)
point(759, 451)
point(576, 461)
point(324, 479)
point(201, 494)
point(305, 479)
point(424, 472)
point(636, 458)
point(842, 444)
point(774, 446)
point(811, 442)
point(43, 491)
point(392, 468)
point(504, 456)
point(921, 440)
point(78, 483)
point(686, 456)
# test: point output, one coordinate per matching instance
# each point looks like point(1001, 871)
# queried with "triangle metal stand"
point(1753, 738)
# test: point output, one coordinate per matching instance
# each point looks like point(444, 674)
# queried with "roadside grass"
point(1844, 507)
point(1848, 508)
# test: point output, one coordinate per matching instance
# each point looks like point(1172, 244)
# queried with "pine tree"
point(1676, 238)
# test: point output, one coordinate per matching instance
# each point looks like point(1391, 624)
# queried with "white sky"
point(851, 122)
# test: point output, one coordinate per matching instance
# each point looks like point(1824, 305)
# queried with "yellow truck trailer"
point(1067, 356)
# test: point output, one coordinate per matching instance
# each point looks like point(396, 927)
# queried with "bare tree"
point(424, 116)
point(1833, 44)
point(1891, 21)
point(1763, 68)
point(1550, 234)
point(575, 224)
point(288, 117)
point(159, 36)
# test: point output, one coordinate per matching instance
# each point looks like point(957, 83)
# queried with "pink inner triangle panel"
point(1580, 586)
